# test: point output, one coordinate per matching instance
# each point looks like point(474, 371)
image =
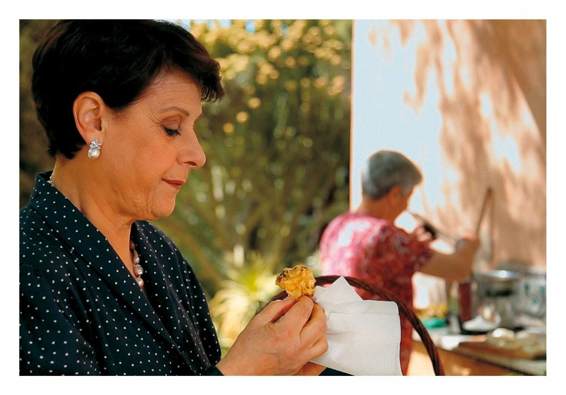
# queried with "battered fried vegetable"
point(297, 281)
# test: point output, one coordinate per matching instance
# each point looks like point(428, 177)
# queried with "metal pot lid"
point(505, 276)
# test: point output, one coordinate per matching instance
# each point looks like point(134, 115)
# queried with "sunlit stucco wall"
point(466, 101)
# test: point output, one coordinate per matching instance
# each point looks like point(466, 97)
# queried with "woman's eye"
point(171, 132)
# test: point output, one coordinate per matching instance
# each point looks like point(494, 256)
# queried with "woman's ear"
point(88, 111)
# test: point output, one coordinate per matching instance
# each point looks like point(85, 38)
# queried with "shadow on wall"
point(492, 98)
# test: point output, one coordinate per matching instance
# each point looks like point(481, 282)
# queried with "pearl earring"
point(94, 149)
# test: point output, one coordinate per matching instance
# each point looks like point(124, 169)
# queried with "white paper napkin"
point(363, 335)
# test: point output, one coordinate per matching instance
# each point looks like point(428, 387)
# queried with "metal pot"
point(497, 282)
point(496, 293)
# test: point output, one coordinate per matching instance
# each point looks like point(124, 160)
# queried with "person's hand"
point(467, 245)
point(279, 340)
point(311, 369)
point(424, 234)
point(466, 249)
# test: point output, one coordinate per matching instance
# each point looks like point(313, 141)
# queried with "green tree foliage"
point(33, 143)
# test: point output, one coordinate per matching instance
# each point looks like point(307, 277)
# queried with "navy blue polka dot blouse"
point(82, 313)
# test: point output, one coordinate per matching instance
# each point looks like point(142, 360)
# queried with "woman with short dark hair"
point(102, 291)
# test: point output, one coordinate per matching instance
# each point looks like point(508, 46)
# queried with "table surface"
point(448, 342)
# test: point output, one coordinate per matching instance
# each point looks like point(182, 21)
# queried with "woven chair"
point(404, 310)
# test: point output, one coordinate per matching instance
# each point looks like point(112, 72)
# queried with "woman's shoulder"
point(357, 224)
point(42, 254)
point(38, 241)
point(359, 219)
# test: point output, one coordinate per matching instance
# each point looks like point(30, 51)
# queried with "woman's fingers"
point(318, 348)
point(297, 316)
point(274, 310)
point(315, 328)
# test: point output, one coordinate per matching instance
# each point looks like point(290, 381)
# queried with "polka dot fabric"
point(82, 313)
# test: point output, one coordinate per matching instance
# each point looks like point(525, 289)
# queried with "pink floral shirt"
point(377, 252)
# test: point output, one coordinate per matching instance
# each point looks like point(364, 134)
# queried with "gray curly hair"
point(386, 169)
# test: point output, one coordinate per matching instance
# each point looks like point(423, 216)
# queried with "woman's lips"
point(177, 184)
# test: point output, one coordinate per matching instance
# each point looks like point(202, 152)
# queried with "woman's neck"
point(92, 200)
point(376, 208)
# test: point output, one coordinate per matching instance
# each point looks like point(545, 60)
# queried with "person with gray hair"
point(389, 171)
point(366, 244)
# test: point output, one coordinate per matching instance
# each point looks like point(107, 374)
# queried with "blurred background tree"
point(33, 142)
point(277, 150)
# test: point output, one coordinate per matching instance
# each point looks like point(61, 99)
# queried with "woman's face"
point(151, 146)
point(399, 201)
point(404, 201)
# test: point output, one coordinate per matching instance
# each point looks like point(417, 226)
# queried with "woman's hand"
point(280, 340)
point(467, 246)
point(464, 253)
point(311, 369)
point(424, 233)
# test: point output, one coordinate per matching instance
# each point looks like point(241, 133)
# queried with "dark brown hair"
point(117, 59)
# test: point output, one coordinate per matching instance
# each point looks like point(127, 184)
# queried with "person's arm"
point(452, 267)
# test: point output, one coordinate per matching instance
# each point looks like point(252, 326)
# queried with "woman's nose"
point(193, 154)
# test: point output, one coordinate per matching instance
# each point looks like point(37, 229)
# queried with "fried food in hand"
point(297, 281)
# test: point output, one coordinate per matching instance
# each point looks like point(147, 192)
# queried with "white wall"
point(466, 101)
